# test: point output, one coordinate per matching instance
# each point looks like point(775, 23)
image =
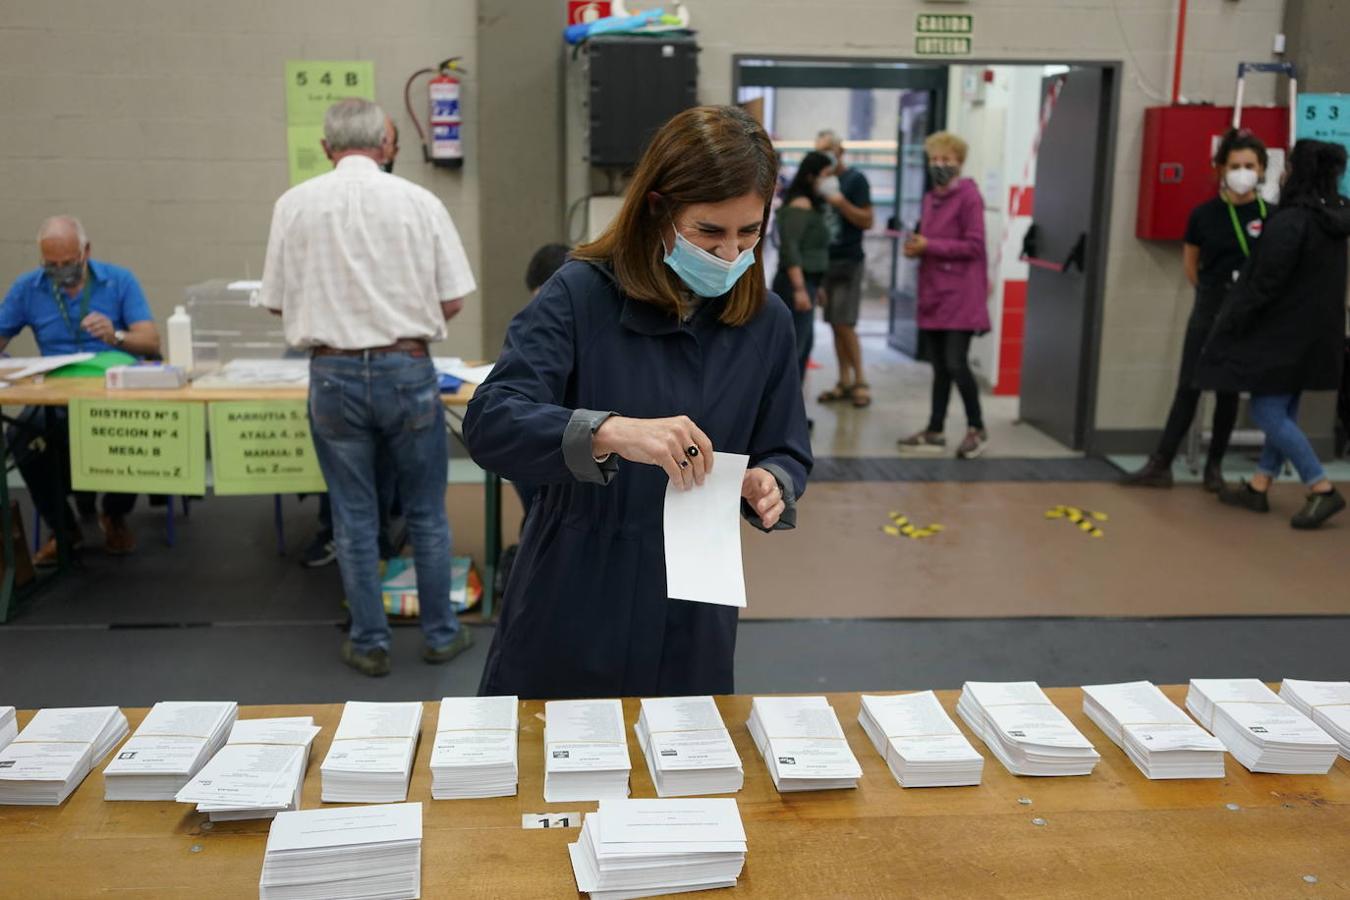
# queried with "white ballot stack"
point(344, 854)
point(1155, 734)
point(802, 744)
point(642, 848)
point(54, 753)
point(1028, 733)
point(474, 754)
point(9, 725)
point(371, 758)
point(257, 774)
point(1327, 703)
point(688, 748)
point(585, 751)
point(1262, 732)
point(921, 744)
point(172, 743)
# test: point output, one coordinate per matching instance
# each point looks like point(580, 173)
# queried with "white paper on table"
point(652, 821)
point(703, 536)
point(687, 733)
point(244, 285)
point(18, 367)
point(583, 735)
point(459, 369)
point(475, 731)
point(29, 761)
point(918, 727)
point(247, 776)
point(317, 828)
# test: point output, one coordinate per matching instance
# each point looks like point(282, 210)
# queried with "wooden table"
point(61, 391)
point(1111, 834)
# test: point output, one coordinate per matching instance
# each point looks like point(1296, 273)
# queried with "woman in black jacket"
point(1281, 331)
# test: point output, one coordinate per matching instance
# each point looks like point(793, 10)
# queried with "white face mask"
point(1240, 182)
point(828, 186)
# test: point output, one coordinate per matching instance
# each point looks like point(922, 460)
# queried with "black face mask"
point(65, 276)
point(942, 175)
point(388, 166)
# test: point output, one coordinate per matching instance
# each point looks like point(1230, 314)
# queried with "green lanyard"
point(1237, 226)
point(60, 300)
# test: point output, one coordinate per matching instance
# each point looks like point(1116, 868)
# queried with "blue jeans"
point(1277, 416)
point(387, 407)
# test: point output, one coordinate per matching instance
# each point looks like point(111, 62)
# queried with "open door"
point(920, 113)
point(1064, 250)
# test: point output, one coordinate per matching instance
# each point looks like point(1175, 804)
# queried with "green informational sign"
point(943, 34)
point(1326, 117)
point(945, 23)
point(138, 446)
point(311, 87)
point(263, 448)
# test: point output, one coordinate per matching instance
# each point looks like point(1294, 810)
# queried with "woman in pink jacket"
point(953, 293)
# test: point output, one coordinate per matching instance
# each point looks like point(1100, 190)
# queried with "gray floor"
point(222, 616)
point(293, 662)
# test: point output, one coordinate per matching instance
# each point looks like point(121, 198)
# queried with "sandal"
point(861, 394)
point(839, 392)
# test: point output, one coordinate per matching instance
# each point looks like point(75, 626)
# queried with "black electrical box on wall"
point(635, 85)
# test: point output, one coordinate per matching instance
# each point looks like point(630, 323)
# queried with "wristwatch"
point(119, 336)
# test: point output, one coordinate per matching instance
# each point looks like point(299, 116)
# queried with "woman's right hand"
point(801, 300)
point(658, 442)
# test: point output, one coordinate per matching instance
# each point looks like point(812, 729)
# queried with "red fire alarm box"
point(583, 12)
point(1177, 171)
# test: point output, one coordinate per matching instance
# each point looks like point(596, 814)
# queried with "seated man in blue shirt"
point(74, 304)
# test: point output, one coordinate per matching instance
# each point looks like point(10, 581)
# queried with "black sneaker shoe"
point(462, 641)
point(1213, 477)
point(1245, 496)
point(375, 663)
point(1318, 509)
point(1156, 473)
point(322, 551)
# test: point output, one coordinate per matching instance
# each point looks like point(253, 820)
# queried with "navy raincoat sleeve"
point(779, 442)
point(519, 423)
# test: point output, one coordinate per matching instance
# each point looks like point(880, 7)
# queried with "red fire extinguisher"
point(442, 141)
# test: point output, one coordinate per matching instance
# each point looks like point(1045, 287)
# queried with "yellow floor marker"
point(891, 530)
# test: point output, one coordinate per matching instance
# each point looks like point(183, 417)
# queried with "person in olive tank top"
point(1219, 238)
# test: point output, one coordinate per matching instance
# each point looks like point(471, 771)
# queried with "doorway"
point(1038, 365)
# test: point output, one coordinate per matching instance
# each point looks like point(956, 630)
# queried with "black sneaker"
point(1318, 509)
point(1245, 496)
point(322, 551)
point(462, 641)
point(375, 663)
point(1156, 473)
point(1213, 477)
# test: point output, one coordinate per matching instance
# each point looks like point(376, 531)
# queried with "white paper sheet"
point(703, 536)
point(462, 371)
point(659, 821)
point(15, 368)
point(348, 826)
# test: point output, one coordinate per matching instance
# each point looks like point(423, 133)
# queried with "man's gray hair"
point(353, 124)
point(57, 225)
point(827, 134)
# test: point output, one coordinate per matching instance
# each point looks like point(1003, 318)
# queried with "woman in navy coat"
point(655, 347)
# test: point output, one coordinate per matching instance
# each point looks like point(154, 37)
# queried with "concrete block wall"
point(161, 124)
point(1146, 300)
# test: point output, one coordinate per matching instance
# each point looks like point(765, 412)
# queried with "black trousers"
point(40, 442)
point(803, 323)
point(949, 354)
point(1187, 398)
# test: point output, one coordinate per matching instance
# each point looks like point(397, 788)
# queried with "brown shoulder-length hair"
point(706, 154)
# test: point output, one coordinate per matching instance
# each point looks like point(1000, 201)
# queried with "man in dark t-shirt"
point(850, 214)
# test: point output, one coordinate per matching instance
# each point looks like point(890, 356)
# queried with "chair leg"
point(279, 521)
point(37, 531)
point(168, 522)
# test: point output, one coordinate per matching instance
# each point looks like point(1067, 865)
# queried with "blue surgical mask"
point(704, 273)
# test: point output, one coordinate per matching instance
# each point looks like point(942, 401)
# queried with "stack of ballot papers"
point(585, 751)
point(54, 753)
point(641, 848)
point(802, 744)
point(1327, 703)
point(689, 751)
point(9, 725)
point(1027, 732)
point(371, 758)
point(257, 774)
point(1262, 732)
point(344, 854)
point(1155, 734)
point(170, 746)
point(474, 754)
point(921, 744)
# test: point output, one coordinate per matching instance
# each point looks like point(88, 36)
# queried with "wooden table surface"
point(1111, 834)
point(60, 391)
